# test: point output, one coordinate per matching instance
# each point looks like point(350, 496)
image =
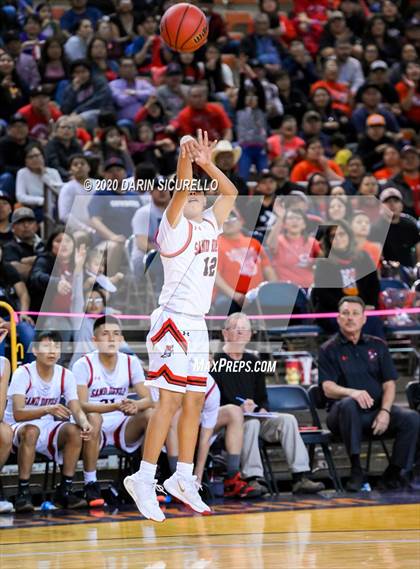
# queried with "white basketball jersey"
point(108, 386)
point(39, 393)
point(189, 257)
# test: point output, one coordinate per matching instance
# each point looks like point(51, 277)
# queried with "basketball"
point(183, 27)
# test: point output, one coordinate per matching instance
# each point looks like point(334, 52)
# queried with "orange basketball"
point(184, 27)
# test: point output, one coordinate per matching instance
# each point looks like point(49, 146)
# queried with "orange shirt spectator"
point(386, 173)
point(340, 93)
point(40, 110)
point(294, 259)
point(304, 170)
point(409, 92)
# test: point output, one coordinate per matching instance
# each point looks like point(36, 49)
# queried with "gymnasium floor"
point(368, 530)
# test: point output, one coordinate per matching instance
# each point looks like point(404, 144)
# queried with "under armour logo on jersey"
point(185, 333)
point(169, 350)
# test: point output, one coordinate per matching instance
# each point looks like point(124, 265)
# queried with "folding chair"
point(319, 401)
point(287, 398)
point(412, 392)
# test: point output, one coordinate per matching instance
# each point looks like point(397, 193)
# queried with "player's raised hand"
point(188, 147)
point(203, 149)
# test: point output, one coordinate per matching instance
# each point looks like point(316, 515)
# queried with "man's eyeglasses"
point(95, 300)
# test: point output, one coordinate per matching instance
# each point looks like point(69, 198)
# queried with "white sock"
point(147, 471)
point(89, 476)
point(184, 469)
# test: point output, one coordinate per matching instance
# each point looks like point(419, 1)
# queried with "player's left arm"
point(227, 191)
point(80, 418)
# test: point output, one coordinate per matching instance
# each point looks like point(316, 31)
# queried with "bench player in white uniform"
point(33, 401)
point(178, 336)
point(6, 435)
point(103, 380)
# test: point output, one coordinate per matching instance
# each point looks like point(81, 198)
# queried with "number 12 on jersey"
point(210, 266)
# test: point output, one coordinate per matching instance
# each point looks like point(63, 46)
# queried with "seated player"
point(33, 404)
point(103, 380)
point(6, 434)
point(178, 336)
point(214, 418)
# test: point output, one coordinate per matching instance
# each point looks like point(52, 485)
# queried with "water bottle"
point(366, 487)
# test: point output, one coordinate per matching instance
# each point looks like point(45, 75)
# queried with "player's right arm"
point(23, 413)
point(183, 172)
point(83, 395)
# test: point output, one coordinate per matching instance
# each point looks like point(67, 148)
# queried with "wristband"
point(383, 409)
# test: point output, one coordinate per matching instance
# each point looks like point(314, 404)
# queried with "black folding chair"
point(316, 393)
point(412, 392)
point(287, 398)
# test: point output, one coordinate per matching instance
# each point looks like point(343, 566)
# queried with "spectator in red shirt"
point(409, 92)
point(316, 161)
point(340, 92)
point(286, 144)
point(391, 164)
point(40, 110)
point(201, 114)
point(293, 250)
point(243, 265)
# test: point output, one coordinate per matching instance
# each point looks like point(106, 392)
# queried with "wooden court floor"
point(374, 537)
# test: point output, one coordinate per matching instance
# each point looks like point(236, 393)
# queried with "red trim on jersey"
point(129, 371)
point(170, 377)
point(91, 371)
point(50, 445)
point(210, 390)
point(63, 373)
point(211, 223)
point(170, 327)
point(30, 379)
point(196, 380)
point(117, 433)
point(171, 255)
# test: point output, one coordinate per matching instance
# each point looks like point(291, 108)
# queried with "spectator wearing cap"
point(312, 128)
point(350, 69)
point(172, 94)
point(13, 90)
point(86, 95)
point(79, 11)
point(22, 250)
point(379, 76)
point(409, 93)
point(129, 92)
point(145, 224)
point(12, 153)
point(25, 65)
point(62, 146)
point(408, 180)
point(34, 178)
point(293, 250)
point(199, 113)
point(40, 109)
point(226, 157)
point(242, 266)
point(335, 29)
point(391, 164)
point(76, 216)
point(372, 145)
point(76, 46)
point(259, 215)
point(261, 45)
point(371, 103)
point(5, 211)
point(402, 241)
point(316, 162)
point(111, 213)
point(340, 93)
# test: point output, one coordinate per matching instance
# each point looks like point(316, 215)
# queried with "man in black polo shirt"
point(242, 383)
point(358, 378)
point(21, 252)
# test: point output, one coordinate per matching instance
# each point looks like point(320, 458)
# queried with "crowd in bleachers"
point(316, 111)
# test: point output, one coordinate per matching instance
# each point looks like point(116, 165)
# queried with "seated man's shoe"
point(237, 487)
point(355, 482)
point(23, 501)
point(306, 486)
point(64, 497)
point(391, 479)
